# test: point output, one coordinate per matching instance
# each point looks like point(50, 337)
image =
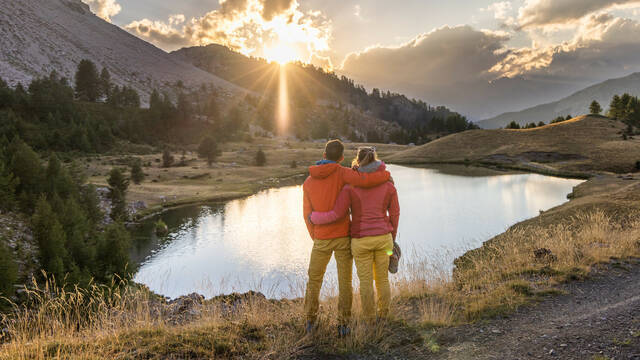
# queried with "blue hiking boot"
point(343, 331)
point(310, 327)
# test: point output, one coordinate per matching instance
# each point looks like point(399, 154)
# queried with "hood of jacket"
point(323, 171)
point(373, 167)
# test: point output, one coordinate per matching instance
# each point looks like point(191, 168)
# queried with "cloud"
point(603, 46)
point(539, 13)
point(104, 8)
point(443, 56)
point(272, 8)
point(252, 27)
point(500, 9)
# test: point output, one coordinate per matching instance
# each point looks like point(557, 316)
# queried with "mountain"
point(582, 144)
point(309, 84)
point(575, 104)
point(39, 36)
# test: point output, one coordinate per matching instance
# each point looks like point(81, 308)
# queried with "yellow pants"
point(320, 256)
point(371, 255)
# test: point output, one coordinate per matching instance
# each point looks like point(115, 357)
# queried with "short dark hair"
point(334, 150)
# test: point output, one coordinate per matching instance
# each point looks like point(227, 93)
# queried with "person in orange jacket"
point(321, 190)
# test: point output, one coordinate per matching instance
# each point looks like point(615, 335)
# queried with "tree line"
point(74, 244)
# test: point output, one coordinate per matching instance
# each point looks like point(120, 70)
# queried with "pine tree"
point(51, 239)
point(113, 251)
point(595, 108)
point(25, 166)
point(8, 271)
point(118, 185)
point(87, 81)
point(615, 107)
point(105, 83)
point(8, 185)
point(261, 158)
point(167, 158)
point(208, 149)
point(513, 125)
point(137, 175)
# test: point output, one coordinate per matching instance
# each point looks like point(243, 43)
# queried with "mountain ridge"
point(73, 34)
point(576, 103)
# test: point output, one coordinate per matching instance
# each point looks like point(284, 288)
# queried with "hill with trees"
point(572, 147)
point(309, 85)
point(576, 103)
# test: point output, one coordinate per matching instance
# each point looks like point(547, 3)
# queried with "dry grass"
point(601, 222)
point(233, 175)
point(597, 140)
point(123, 322)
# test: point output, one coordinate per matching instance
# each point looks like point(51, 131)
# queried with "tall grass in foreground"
point(121, 321)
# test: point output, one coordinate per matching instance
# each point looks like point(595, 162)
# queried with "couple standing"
point(368, 237)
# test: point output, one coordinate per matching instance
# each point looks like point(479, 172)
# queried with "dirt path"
point(597, 319)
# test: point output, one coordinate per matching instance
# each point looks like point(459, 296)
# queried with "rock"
point(544, 255)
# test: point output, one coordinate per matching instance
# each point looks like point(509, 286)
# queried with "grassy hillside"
point(583, 144)
point(576, 103)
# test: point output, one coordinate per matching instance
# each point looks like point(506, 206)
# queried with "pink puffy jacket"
point(374, 211)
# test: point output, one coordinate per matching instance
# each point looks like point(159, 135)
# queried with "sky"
point(514, 52)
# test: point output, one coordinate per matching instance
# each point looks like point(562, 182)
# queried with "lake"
point(261, 242)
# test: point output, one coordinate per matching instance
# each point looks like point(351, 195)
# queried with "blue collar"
point(325, 162)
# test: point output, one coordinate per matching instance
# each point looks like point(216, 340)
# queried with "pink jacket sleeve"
point(394, 211)
point(340, 209)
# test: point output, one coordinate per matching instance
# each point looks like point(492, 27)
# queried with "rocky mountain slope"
point(577, 103)
point(38, 36)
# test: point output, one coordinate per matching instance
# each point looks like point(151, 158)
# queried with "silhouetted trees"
point(595, 108)
point(118, 186)
point(88, 84)
point(513, 125)
point(625, 108)
point(167, 158)
point(8, 272)
point(137, 175)
point(261, 158)
point(208, 149)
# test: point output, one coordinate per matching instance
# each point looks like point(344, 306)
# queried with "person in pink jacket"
point(375, 214)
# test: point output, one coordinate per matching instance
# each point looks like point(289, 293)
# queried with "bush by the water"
point(261, 158)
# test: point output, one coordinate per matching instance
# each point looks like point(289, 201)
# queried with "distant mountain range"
point(39, 36)
point(306, 83)
point(575, 104)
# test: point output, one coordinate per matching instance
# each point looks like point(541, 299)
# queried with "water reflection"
point(261, 242)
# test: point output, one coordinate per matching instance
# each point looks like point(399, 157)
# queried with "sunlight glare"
point(282, 54)
point(282, 116)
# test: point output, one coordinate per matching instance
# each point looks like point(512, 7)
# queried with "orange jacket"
point(321, 190)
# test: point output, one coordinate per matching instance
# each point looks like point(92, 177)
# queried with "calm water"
point(261, 242)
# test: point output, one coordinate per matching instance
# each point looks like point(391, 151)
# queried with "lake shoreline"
point(450, 168)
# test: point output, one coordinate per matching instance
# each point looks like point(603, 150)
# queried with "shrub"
point(208, 149)
point(8, 271)
point(137, 175)
point(294, 164)
point(261, 158)
point(513, 125)
point(167, 158)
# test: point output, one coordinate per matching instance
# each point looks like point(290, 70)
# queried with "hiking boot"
point(310, 327)
point(343, 331)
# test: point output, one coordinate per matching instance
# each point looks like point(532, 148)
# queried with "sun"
point(281, 53)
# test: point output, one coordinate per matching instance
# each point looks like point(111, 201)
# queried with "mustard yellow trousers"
point(320, 256)
point(371, 255)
